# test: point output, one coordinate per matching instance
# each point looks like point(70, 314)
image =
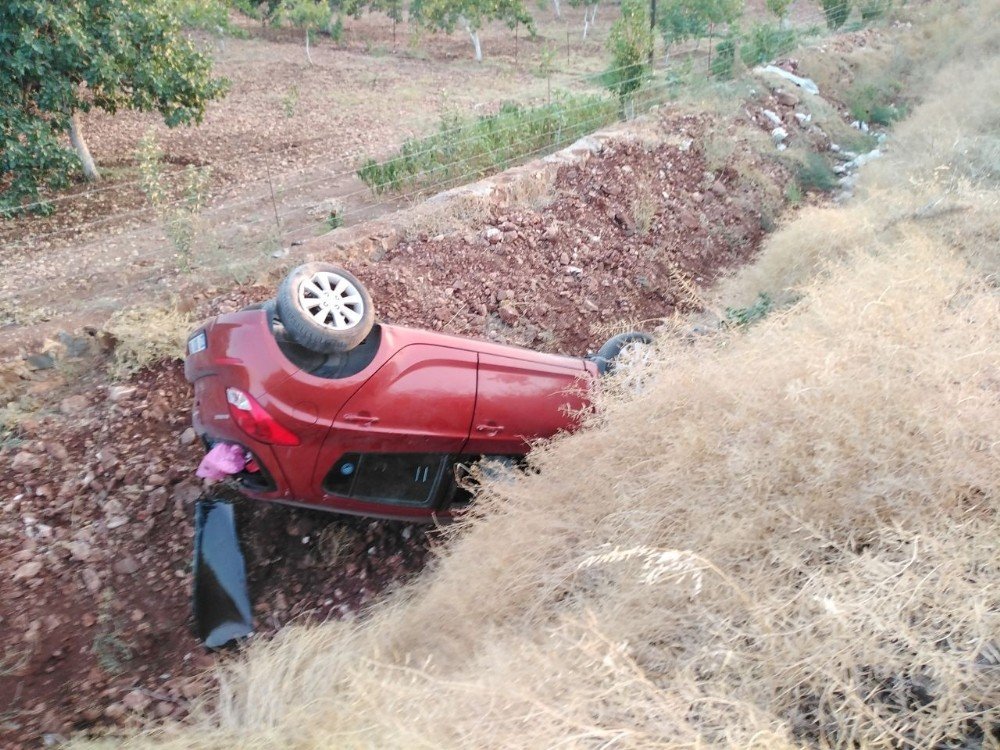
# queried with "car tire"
point(607, 354)
point(324, 308)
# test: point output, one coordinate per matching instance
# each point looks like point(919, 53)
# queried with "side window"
point(398, 478)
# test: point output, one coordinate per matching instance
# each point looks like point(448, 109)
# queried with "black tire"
point(607, 354)
point(324, 320)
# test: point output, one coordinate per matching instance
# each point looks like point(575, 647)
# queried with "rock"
point(786, 99)
point(772, 116)
point(91, 580)
point(28, 571)
point(779, 134)
point(136, 700)
point(573, 271)
point(25, 461)
point(74, 404)
point(57, 451)
point(551, 232)
point(127, 566)
point(114, 712)
point(116, 522)
point(803, 118)
point(564, 259)
point(188, 436)
point(79, 550)
point(118, 393)
point(508, 313)
point(156, 480)
point(493, 235)
point(42, 361)
point(186, 492)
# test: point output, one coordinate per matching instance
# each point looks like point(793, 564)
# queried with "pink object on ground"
point(224, 459)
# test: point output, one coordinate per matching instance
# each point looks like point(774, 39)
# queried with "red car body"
point(386, 440)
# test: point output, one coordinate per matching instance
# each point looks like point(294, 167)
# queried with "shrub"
point(744, 316)
point(815, 174)
point(725, 58)
point(836, 12)
point(873, 102)
point(764, 43)
point(631, 45)
point(462, 149)
point(872, 10)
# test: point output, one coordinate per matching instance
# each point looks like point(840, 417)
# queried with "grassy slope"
point(807, 510)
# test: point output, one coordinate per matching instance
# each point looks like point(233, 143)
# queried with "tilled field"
point(98, 493)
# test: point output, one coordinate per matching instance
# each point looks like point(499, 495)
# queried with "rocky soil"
point(97, 490)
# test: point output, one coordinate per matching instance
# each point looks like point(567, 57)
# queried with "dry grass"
point(787, 539)
point(145, 336)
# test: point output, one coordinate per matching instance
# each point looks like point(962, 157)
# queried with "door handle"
point(365, 420)
point(490, 429)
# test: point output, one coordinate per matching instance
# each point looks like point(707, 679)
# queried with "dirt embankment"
point(95, 530)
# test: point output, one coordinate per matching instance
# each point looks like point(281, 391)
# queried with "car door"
point(518, 400)
point(391, 440)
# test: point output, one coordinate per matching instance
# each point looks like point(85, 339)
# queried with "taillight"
point(255, 421)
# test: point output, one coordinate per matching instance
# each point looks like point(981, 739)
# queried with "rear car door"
point(519, 400)
point(394, 440)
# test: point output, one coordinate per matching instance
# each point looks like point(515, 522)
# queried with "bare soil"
point(95, 528)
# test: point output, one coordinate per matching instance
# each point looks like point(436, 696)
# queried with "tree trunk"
point(76, 138)
point(474, 36)
point(556, 9)
point(309, 56)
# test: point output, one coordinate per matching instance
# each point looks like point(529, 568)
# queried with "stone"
point(493, 235)
point(126, 566)
point(28, 571)
point(25, 461)
point(41, 361)
point(118, 393)
point(114, 712)
point(508, 313)
point(136, 700)
point(772, 116)
point(779, 134)
point(74, 404)
point(188, 436)
point(91, 580)
point(786, 99)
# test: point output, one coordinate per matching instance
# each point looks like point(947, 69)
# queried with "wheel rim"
point(331, 301)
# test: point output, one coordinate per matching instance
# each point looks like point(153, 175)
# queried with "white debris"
point(772, 116)
point(803, 119)
point(859, 125)
point(860, 161)
point(805, 84)
point(779, 134)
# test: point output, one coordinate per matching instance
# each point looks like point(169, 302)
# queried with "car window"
point(399, 478)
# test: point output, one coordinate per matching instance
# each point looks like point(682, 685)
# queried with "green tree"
point(630, 42)
point(680, 20)
point(62, 57)
point(836, 12)
point(445, 15)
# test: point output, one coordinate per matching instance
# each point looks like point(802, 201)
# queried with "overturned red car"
point(323, 407)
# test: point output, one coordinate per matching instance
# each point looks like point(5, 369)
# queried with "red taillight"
point(255, 422)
